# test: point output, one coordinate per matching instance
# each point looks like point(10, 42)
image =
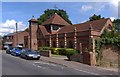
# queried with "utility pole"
point(16, 34)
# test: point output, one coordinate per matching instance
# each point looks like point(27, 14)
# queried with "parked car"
point(5, 47)
point(9, 50)
point(29, 54)
point(19, 46)
point(16, 51)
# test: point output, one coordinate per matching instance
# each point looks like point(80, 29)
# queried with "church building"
point(56, 32)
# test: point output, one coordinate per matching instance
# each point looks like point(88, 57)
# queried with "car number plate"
point(34, 56)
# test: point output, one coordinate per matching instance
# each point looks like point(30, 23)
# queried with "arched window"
point(47, 43)
point(70, 44)
point(54, 44)
point(39, 43)
point(109, 27)
point(61, 44)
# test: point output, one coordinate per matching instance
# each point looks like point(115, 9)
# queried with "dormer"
point(54, 23)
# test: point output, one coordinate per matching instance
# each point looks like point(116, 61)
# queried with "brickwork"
point(46, 53)
point(13, 38)
point(20, 38)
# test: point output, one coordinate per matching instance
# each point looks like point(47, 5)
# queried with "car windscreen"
point(11, 48)
point(18, 48)
point(31, 52)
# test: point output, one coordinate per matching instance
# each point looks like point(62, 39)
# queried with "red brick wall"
point(20, 38)
point(82, 37)
point(34, 28)
point(46, 53)
point(89, 58)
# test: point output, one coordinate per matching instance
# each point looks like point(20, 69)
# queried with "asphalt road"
point(12, 65)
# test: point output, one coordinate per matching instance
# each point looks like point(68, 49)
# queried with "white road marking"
point(87, 72)
point(34, 65)
point(45, 63)
point(63, 67)
point(41, 63)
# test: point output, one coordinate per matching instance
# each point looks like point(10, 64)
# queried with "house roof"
point(11, 34)
point(14, 33)
point(43, 29)
point(96, 25)
point(55, 19)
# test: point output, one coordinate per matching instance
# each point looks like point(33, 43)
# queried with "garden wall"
point(46, 53)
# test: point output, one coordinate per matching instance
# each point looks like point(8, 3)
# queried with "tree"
point(116, 22)
point(49, 12)
point(27, 29)
point(95, 17)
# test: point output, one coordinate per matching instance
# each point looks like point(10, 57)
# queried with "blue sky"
point(78, 12)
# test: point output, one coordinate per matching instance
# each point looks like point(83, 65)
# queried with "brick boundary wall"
point(77, 58)
point(89, 58)
point(46, 53)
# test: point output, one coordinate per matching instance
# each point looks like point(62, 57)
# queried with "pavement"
point(62, 60)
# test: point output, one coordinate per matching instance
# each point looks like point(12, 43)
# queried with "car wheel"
point(26, 57)
point(21, 56)
point(12, 53)
point(38, 58)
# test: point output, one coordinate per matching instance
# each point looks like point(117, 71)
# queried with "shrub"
point(44, 48)
point(58, 51)
point(62, 51)
point(55, 51)
point(70, 52)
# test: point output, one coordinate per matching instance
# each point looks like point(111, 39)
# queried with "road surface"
point(12, 65)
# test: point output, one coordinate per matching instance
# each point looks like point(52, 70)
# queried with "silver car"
point(29, 54)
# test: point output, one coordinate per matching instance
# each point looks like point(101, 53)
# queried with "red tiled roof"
point(55, 19)
point(43, 29)
point(96, 25)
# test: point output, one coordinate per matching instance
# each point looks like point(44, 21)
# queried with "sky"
point(78, 12)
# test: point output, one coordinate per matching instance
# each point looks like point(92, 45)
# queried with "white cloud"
point(114, 2)
point(10, 26)
point(112, 18)
point(95, 7)
point(113, 5)
point(86, 7)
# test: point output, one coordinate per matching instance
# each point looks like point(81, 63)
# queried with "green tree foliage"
point(110, 34)
point(49, 12)
point(95, 17)
point(108, 37)
point(27, 29)
point(116, 22)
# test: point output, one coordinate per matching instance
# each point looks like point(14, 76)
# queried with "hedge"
point(61, 51)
